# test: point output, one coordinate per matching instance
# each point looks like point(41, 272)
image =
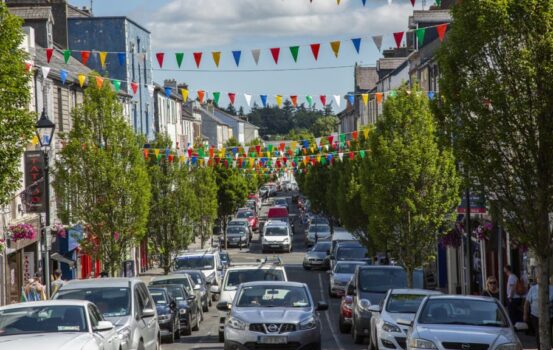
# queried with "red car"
point(250, 215)
point(346, 314)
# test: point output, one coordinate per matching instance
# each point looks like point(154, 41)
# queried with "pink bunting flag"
point(413, 2)
point(398, 36)
point(275, 51)
point(160, 56)
point(198, 58)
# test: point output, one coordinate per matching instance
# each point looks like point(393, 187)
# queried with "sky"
point(226, 25)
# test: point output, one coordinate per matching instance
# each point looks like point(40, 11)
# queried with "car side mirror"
point(103, 326)
point(329, 272)
point(223, 306)
point(375, 308)
point(322, 306)
point(215, 289)
point(521, 326)
point(197, 287)
point(351, 290)
point(404, 322)
point(191, 297)
point(173, 305)
point(148, 313)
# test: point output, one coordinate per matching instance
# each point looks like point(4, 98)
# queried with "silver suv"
point(272, 314)
point(125, 302)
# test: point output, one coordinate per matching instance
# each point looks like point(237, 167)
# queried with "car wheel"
point(188, 329)
point(306, 267)
point(228, 346)
point(197, 326)
point(141, 345)
point(176, 328)
point(221, 336)
point(372, 343)
point(344, 328)
point(205, 307)
point(357, 338)
point(210, 301)
point(171, 338)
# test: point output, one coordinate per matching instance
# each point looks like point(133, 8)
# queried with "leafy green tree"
point(498, 100)
point(324, 126)
point(230, 109)
point(232, 142)
point(16, 122)
point(255, 142)
point(241, 111)
point(410, 185)
point(101, 178)
point(174, 205)
point(205, 190)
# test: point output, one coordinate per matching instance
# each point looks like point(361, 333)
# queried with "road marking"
point(332, 330)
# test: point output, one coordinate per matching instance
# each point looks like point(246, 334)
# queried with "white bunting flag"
point(378, 41)
point(248, 99)
point(341, 156)
point(45, 72)
point(255, 54)
point(338, 100)
point(151, 90)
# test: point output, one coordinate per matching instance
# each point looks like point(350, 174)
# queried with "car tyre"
point(141, 345)
point(344, 328)
point(188, 329)
point(176, 328)
point(221, 337)
point(197, 326)
point(306, 267)
point(357, 339)
point(373, 343)
point(205, 306)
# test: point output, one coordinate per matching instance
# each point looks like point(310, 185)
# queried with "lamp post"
point(45, 132)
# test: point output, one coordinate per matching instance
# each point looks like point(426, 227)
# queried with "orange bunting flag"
point(99, 82)
point(146, 153)
point(201, 95)
point(441, 29)
point(103, 56)
point(335, 45)
point(365, 98)
point(216, 57)
point(294, 100)
point(379, 96)
point(82, 79)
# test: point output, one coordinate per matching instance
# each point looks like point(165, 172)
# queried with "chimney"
point(172, 83)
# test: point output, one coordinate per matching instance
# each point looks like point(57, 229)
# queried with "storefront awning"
point(62, 259)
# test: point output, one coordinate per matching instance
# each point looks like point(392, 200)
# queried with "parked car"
point(340, 276)
point(249, 215)
point(349, 251)
point(207, 261)
point(167, 314)
point(254, 323)
point(281, 202)
point(56, 325)
point(316, 256)
point(125, 302)
point(346, 314)
point(189, 314)
point(317, 233)
point(277, 235)
point(386, 333)
point(237, 236)
point(184, 280)
point(369, 286)
point(200, 285)
point(242, 223)
point(234, 276)
point(461, 322)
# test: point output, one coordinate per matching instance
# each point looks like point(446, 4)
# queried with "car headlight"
point(124, 334)
point(182, 311)
point(163, 318)
point(421, 344)
point(509, 346)
point(309, 323)
point(236, 323)
point(364, 305)
point(390, 327)
point(286, 240)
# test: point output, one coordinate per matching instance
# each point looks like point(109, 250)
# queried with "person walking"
point(492, 289)
point(34, 290)
point(531, 309)
point(515, 295)
point(57, 283)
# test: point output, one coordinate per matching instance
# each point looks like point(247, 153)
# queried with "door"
point(149, 324)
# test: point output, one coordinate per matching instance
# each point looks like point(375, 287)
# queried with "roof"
point(254, 266)
point(365, 77)
point(100, 283)
point(390, 63)
point(174, 94)
point(210, 115)
point(415, 291)
point(463, 297)
point(46, 303)
point(275, 223)
point(273, 283)
point(196, 253)
point(176, 276)
point(123, 18)
point(429, 17)
point(41, 12)
point(240, 120)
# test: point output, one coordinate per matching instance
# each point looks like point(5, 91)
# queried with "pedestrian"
point(531, 309)
point(515, 295)
point(34, 290)
point(57, 283)
point(492, 289)
point(104, 274)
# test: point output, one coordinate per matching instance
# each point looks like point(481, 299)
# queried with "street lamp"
point(45, 132)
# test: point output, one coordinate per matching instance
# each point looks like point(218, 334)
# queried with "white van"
point(208, 261)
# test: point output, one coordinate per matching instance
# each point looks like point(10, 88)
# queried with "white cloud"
point(187, 24)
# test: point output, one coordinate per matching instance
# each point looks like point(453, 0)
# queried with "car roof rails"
point(275, 260)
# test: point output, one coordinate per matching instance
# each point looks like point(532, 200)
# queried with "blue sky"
point(216, 25)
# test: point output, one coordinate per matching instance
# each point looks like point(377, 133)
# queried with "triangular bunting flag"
point(160, 56)
point(216, 58)
point(255, 54)
point(49, 53)
point(103, 56)
point(294, 99)
point(63, 76)
point(122, 58)
point(323, 100)
point(338, 100)
point(84, 56)
point(263, 100)
point(278, 99)
point(335, 45)
point(184, 93)
point(248, 99)
point(198, 58)
point(315, 50)
point(151, 89)
point(420, 36)
point(45, 71)
point(309, 100)
point(379, 96)
point(168, 91)
point(116, 85)
point(398, 37)
point(66, 55)
point(134, 87)
point(365, 98)
point(216, 96)
point(431, 95)
point(237, 55)
point(99, 82)
point(28, 66)
point(351, 99)
point(377, 39)
point(413, 2)
point(441, 29)
point(201, 95)
point(294, 50)
point(275, 52)
point(179, 56)
point(357, 43)
point(82, 79)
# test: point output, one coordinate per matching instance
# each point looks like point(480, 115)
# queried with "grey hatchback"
point(272, 315)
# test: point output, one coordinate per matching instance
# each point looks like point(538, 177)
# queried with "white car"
point(398, 304)
point(56, 325)
point(236, 275)
point(277, 235)
point(208, 261)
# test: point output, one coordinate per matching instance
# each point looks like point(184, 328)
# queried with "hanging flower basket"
point(483, 232)
point(2, 244)
point(59, 230)
point(21, 231)
point(454, 238)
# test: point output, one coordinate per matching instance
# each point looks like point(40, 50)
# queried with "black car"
point(200, 286)
point(167, 314)
point(189, 314)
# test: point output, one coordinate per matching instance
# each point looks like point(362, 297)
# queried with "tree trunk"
point(166, 262)
point(225, 231)
point(543, 302)
point(409, 272)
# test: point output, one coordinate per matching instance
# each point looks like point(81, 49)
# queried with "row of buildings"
point(149, 110)
point(416, 63)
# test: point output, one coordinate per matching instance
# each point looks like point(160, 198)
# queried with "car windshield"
point(463, 312)
point(276, 231)
point(273, 296)
point(404, 303)
point(238, 223)
point(193, 262)
point(42, 319)
point(176, 293)
point(348, 268)
point(282, 202)
point(112, 302)
point(234, 278)
point(158, 296)
point(236, 230)
point(224, 257)
point(319, 228)
point(196, 277)
point(182, 281)
point(349, 253)
point(380, 280)
point(321, 247)
point(319, 221)
point(244, 214)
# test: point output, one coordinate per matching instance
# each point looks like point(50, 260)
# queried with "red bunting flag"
point(323, 99)
point(354, 135)
point(282, 146)
point(398, 36)
point(170, 158)
point(146, 153)
point(413, 2)
point(134, 87)
point(201, 95)
point(231, 97)
point(257, 148)
point(294, 99)
point(441, 29)
point(49, 53)
point(198, 58)
point(330, 139)
point(275, 51)
point(84, 56)
point(28, 66)
point(351, 155)
point(159, 57)
point(315, 49)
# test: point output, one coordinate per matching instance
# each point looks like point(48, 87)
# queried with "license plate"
point(275, 245)
point(264, 339)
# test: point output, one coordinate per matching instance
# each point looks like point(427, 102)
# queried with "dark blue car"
point(168, 320)
point(188, 311)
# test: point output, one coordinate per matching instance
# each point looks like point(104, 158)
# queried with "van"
point(278, 213)
point(207, 261)
point(340, 235)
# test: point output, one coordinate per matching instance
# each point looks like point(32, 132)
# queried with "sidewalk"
point(528, 341)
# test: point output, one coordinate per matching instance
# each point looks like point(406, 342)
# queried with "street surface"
point(317, 281)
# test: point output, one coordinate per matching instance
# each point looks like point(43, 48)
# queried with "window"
point(404, 303)
point(463, 312)
point(112, 302)
point(42, 319)
point(242, 276)
point(273, 296)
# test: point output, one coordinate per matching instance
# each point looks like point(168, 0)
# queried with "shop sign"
point(35, 198)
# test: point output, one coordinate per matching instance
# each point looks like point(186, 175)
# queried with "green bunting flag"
point(393, 93)
point(420, 35)
point(295, 50)
point(179, 56)
point(309, 100)
point(439, 2)
point(116, 84)
point(342, 138)
point(362, 154)
point(216, 96)
point(66, 55)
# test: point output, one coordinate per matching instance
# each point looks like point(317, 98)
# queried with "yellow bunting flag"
point(103, 56)
point(335, 45)
point(82, 79)
point(216, 57)
point(279, 100)
point(184, 93)
point(294, 145)
point(365, 98)
point(338, 2)
point(99, 82)
point(366, 133)
point(34, 141)
point(156, 152)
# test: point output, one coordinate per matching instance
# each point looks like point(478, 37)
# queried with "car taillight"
point(346, 310)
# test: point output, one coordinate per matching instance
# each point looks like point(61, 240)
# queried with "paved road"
point(206, 338)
